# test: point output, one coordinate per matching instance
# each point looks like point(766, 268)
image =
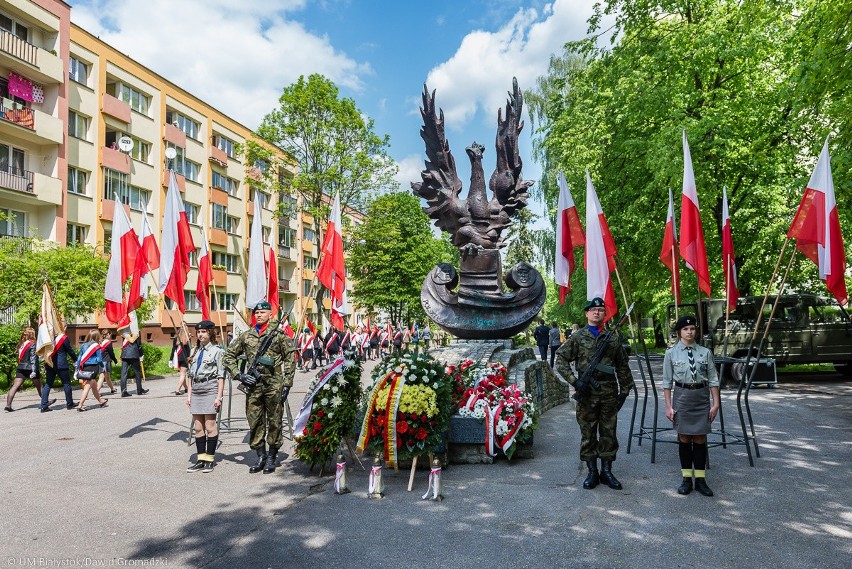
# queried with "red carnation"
point(317, 427)
point(421, 434)
point(305, 431)
point(402, 427)
point(321, 413)
point(424, 418)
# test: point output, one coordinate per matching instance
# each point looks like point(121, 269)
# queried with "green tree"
point(724, 71)
point(522, 244)
point(391, 254)
point(335, 146)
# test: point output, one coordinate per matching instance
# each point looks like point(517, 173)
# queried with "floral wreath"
point(408, 408)
point(328, 411)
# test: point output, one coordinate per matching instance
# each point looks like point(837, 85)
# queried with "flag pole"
point(675, 281)
point(213, 283)
point(768, 287)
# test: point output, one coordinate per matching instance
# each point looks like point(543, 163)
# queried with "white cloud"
point(236, 56)
point(477, 77)
point(409, 171)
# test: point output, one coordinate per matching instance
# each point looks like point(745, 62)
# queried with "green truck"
point(805, 329)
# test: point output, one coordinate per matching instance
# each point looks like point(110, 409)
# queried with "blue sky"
point(238, 56)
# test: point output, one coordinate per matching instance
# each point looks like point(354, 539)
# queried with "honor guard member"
point(267, 388)
point(204, 388)
point(597, 412)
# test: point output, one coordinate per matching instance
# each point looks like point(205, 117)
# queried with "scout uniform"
point(206, 370)
point(264, 404)
point(597, 413)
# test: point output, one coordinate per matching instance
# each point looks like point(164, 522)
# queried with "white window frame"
point(74, 174)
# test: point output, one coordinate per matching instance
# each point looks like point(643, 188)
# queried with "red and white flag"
point(729, 264)
point(816, 228)
point(272, 282)
point(331, 271)
point(569, 234)
point(669, 255)
point(49, 327)
point(176, 245)
point(338, 311)
point(599, 260)
point(691, 232)
point(123, 253)
point(205, 277)
point(147, 259)
point(256, 278)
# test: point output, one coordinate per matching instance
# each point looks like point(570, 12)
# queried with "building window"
point(138, 101)
point(13, 223)
point(78, 125)
point(286, 237)
point(14, 27)
point(193, 212)
point(222, 143)
point(265, 233)
point(191, 301)
point(78, 71)
point(221, 220)
point(230, 262)
point(306, 287)
point(116, 184)
point(229, 185)
point(308, 234)
point(140, 151)
point(264, 197)
point(184, 123)
point(77, 181)
point(181, 165)
point(76, 234)
point(193, 258)
point(224, 301)
point(311, 263)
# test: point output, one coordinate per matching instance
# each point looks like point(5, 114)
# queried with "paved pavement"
point(108, 487)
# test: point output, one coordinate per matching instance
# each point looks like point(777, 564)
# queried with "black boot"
point(261, 460)
point(607, 477)
point(701, 486)
point(685, 486)
point(593, 478)
point(270, 461)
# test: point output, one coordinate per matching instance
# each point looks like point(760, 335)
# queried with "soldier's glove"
point(246, 379)
point(582, 389)
point(285, 391)
point(622, 397)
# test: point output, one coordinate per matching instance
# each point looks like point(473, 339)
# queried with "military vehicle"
point(805, 329)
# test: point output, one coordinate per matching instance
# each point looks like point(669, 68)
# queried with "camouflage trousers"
point(597, 416)
point(265, 412)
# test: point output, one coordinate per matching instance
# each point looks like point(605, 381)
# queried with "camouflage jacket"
point(280, 352)
point(579, 349)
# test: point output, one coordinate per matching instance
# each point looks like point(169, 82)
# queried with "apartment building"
point(95, 137)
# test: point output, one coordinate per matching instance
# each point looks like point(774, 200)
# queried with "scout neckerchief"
point(22, 351)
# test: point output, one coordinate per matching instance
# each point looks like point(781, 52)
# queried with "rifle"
point(249, 376)
point(587, 381)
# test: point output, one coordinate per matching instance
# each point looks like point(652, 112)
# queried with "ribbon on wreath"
point(364, 437)
point(509, 439)
point(397, 382)
point(305, 409)
point(434, 484)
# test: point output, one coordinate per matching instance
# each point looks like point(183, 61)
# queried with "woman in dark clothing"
point(28, 367)
point(108, 355)
point(60, 357)
point(180, 358)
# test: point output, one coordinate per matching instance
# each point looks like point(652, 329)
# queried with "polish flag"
point(148, 259)
point(272, 270)
point(205, 277)
point(338, 311)
point(816, 228)
point(176, 245)
point(123, 252)
point(598, 260)
point(569, 234)
point(691, 233)
point(331, 271)
point(729, 265)
point(50, 328)
point(256, 279)
point(669, 255)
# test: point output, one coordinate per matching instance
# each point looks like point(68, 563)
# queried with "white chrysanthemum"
point(326, 386)
point(330, 414)
point(324, 401)
point(336, 401)
point(342, 382)
point(334, 389)
point(398, 369)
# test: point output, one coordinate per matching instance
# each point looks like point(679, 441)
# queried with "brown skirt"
point(692, 411)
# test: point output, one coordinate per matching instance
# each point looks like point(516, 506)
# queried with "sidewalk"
point(109, 485)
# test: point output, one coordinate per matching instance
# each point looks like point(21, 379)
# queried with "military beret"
point(596, 302)
point(685, 321)
point(205, 325)
point(262, 305)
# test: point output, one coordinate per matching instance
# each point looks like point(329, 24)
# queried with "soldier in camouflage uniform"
point(266, 396)
point(597, 410)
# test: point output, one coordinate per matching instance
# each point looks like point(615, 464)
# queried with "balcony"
point(30, 125)
point(174, 135)
point(108, 210)
point(115, 108)
point(179, 178)
point(17, 180)
point(218, 237)
point(255, 174)
point(218, 156)
point(115, 160)
point(220, 277)
point(218, 196)
point(284, 285)
point(29, 60)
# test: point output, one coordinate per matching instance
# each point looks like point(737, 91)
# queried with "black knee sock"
point(699, 452)
point(200, 444)
point(211, 444)
point(686, 457)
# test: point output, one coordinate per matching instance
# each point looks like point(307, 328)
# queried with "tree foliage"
point(391, 254)
point(749, 82)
